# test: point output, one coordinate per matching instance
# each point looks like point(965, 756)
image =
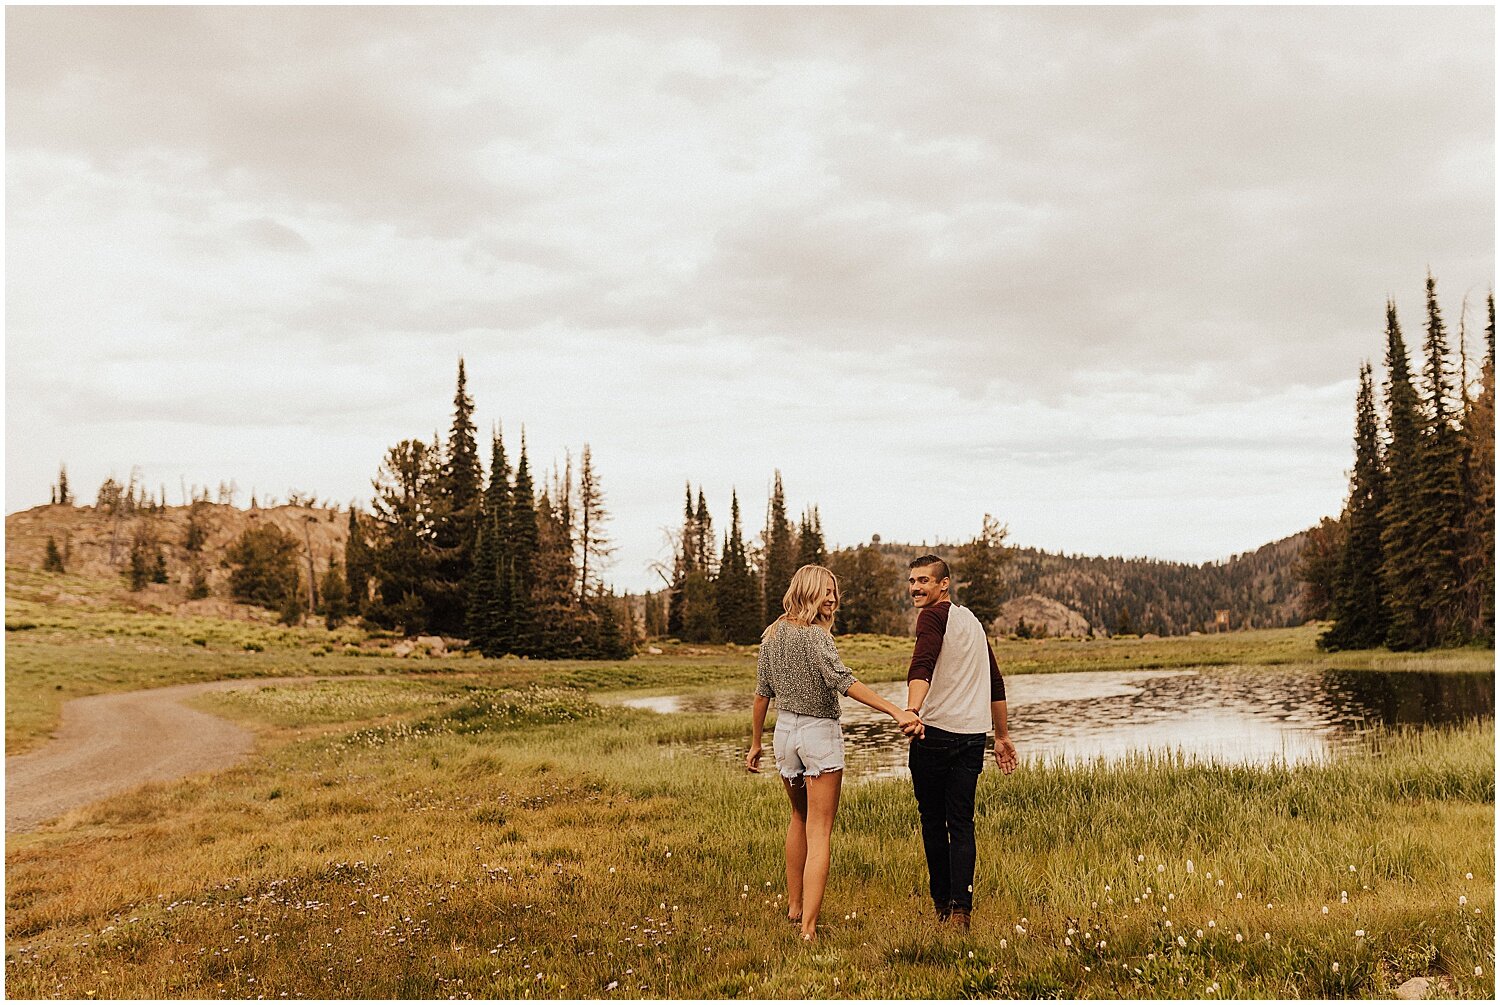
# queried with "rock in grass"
point(1416, 988)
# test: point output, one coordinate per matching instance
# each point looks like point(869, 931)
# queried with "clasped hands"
point(911, 724)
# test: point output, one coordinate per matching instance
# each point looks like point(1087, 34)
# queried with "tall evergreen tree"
point(735, 591)
point(335, 591)
point(979, 569)
point(810, 547)
point(550, 597)
point(703, 536)
point(780, 550)
point(1357, 604)
point(684, 561)
point(862, 588)
point(523, 542)
point(1402, 566)
point(489, 607)
point(1478, 566)
point(402, 551)
point(358, 565)
point(1440, 500)
point(458, 492)
point(594, 548)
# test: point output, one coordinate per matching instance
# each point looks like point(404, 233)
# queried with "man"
point(955, 686)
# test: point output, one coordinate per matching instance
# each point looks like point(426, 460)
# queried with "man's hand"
point(910, 723)
point(1005, 755)
point(752, 759)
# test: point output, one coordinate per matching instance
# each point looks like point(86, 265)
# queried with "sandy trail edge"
point(110, 743)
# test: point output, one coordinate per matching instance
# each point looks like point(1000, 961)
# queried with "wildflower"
point(1478, 971)
point(1190, 867)
point(1067, 942)
point(1003, 943)
point(1239, 896)
point(1213, 924)
point(1468, 875)
point(1335, 967)
point(1268, 936)
point(611, 985)
point(1140, 858)
point(1169, 924)
point(1199, 933)
point(1137, 900)
point(1239, 937)
point(1325, 908)
point(1221, 882)
point(1020, 930)
point(1462, 900)
point(1181, 941)
point(1160, 867)
point(1171, 896)
point(1359, 933)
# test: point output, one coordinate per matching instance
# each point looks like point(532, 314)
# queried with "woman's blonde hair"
point(803, 600)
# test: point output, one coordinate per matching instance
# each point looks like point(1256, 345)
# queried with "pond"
point(1248, 715)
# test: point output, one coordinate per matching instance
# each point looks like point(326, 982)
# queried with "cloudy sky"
point(1107, 274)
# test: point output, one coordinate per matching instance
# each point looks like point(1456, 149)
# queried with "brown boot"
point(959, 916)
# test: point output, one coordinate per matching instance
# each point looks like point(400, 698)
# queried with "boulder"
point(432, 643)
point(1415, 989)
point(402, 649)
point(1041, 614)
point(654, 650)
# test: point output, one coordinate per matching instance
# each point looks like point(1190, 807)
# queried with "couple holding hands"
point(955, 694)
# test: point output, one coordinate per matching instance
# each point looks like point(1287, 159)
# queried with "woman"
point(799, 667)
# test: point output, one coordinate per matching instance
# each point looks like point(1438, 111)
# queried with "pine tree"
point(53, 562)
point(402, 551)
point(655, 621)
point(263, 565)
point(64, 494)
point(293, 608)
point(780, 550)
point(1357, 602)
point(523, 541)
point(594, 548)
point(1441, 499)
point(159, 567)
point(551, 599)
point(1400, 520)
point(197, 580)
point(358, 565)
point(1318, 568)
point(458, 492)
point(335, 591)
point(1478, 567)
point(703, 536)
point(199, 525)
point(810, 547)
point(684, 561)
point(979, 570)
point(735, 590)
point(863, 588)
point(492, 586)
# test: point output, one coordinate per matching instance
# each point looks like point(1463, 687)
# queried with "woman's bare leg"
point(822, 807)
point(796, 845)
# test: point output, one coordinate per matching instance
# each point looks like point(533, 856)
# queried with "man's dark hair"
point(918, 563)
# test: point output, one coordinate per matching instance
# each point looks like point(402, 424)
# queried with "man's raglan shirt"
point(953, 655)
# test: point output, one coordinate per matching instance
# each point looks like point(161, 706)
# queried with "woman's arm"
point(757, 726)
point(908, 721)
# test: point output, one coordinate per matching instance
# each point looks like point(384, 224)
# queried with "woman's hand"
point(910, 723)
point(752, 759)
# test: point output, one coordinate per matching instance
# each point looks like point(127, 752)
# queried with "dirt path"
point(109, 743)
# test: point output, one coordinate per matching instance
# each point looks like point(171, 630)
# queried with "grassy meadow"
point(460, 827)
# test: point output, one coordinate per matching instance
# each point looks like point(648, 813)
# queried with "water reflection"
point(1250, 715)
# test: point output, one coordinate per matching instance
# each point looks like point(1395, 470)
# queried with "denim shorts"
point(807, 745)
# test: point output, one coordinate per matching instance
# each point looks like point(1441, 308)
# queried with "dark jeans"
point(944, 772)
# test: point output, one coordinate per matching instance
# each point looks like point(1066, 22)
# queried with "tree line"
point(512, 566)
point(1409, 563)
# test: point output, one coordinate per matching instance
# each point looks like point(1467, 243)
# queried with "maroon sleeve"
point(997, 683)
point(932, 624)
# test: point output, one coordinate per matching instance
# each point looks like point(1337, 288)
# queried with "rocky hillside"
point(1259, 589)
point(97, 543)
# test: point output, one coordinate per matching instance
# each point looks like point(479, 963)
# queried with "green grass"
point(433, 838)
point(478, 828)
